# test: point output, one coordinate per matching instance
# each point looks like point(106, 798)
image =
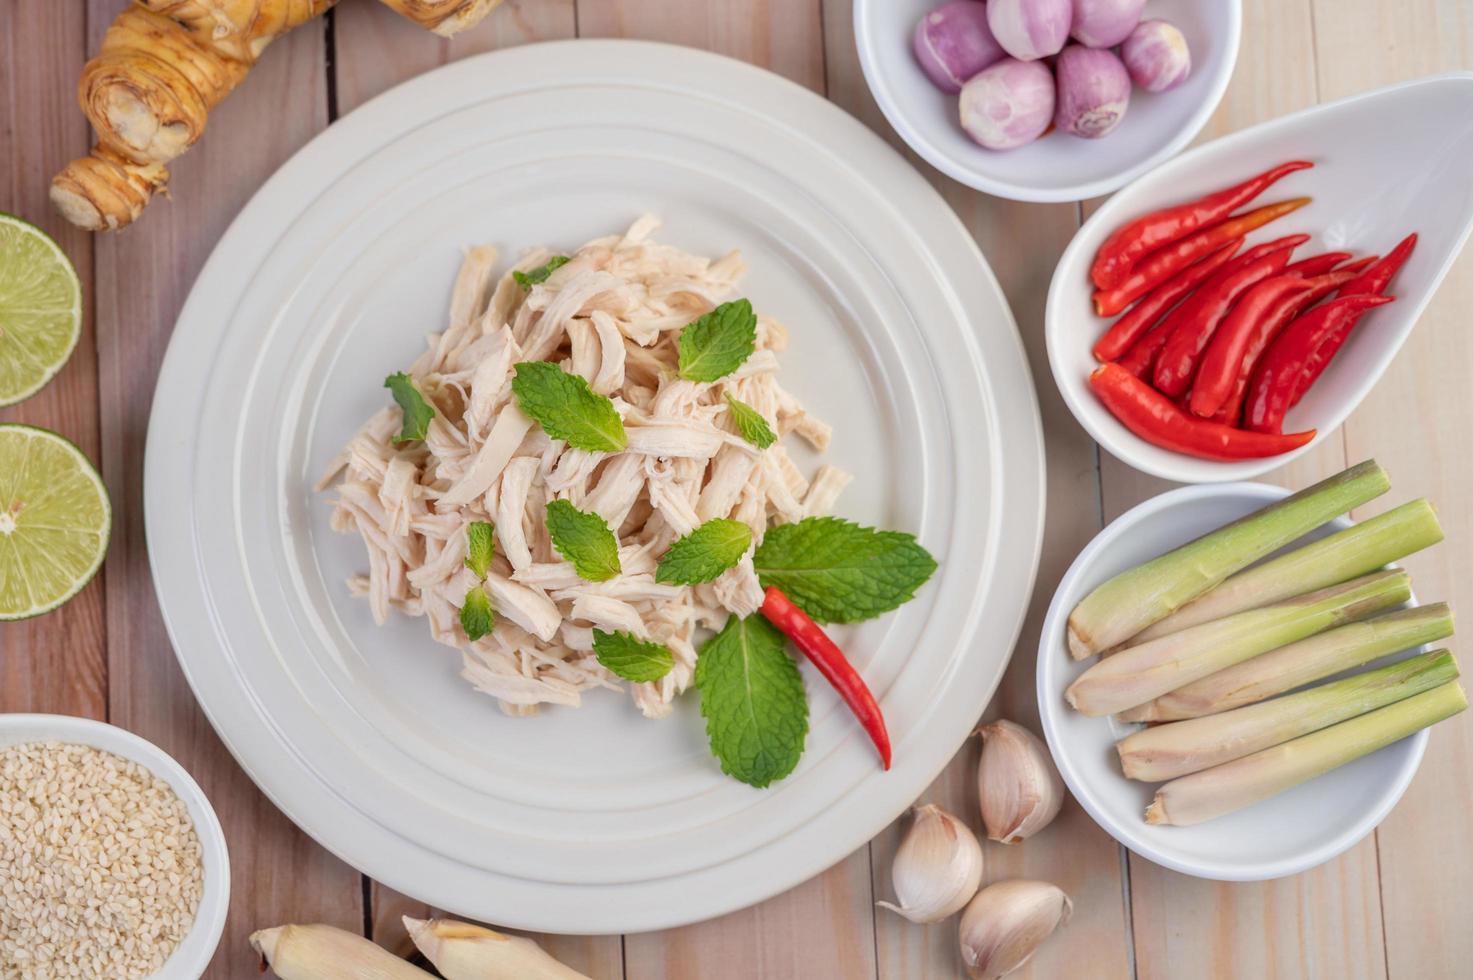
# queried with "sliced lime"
point(40, 309)
point(54, 521)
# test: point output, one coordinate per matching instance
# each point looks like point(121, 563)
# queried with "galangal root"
point(164, 64)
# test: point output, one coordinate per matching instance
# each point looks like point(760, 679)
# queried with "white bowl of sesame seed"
point(112, 861)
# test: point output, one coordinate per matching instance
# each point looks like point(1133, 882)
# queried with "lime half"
point(40, 309)
point(54, 521)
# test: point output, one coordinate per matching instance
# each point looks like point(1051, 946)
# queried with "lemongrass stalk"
point(322, 952)
point(1233, 785)
point(1340, 557)
point(1138, 674)
point(1135, 599)
point(1168, 751)
point(461, 951)
point(1300, 663)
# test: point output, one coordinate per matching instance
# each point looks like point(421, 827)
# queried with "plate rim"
point(632, 56)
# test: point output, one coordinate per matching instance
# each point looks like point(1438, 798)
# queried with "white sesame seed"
point(100, 869)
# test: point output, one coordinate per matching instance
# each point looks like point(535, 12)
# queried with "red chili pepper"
point(1373, 281)
point(1164, 263)
point(1156, 419)
point(1316, 265)
point(1125, 331)
point(1131, 241)
point(1194, 322)
point(824, 654)
point(1269, 299)
point(1140, 360)
point(1271, 394)
point(1378, 277)
point(1270, 327)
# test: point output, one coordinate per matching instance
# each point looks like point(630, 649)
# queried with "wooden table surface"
point(1398, 904)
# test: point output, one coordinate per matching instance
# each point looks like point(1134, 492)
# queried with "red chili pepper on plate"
point(1194, 322)
point(1268, 301)
point(1316, 265)
point(824, 654)
point(1131, 241)
point(1128, 329)
point(1271, 393)
point(1271, 325)
point(1166, 262)
point(1156, 419)
point(1373, 281)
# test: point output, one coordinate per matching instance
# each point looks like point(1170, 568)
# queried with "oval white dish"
point(589, 820)
point(1387, 163)
point(193, 954)
point(1285, 835)
point(1058, 166)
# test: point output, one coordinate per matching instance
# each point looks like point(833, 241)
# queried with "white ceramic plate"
point(1285, 835)
point(1056, 167)
point(589, 820)
point(189, 959)
point(1387, 163)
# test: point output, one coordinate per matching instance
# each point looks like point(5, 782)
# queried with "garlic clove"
point(1007, 922)
point(1020, 789)
point(937, 868)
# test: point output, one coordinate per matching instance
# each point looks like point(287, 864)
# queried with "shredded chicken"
point(613, 314)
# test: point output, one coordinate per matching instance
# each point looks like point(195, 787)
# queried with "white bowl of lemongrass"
point(1237, 682)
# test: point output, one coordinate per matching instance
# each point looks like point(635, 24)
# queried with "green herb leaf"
point(753, 701)
point(532, 277)
point(583, 539)
point(567, 408)
point(751, 424)
point(632, 658)
point(838, 572)
point(476, 617)
point(480, 545)
point(705, 553)
point(717, 344)
point(417, 411)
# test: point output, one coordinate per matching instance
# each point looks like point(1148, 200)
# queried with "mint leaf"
point(417, 411)
point(705, 553)
point(583, 539)
point(751, 424)
point(532, 277)
point(632, 658)
point(753, 701)
point(480, 544)
point(567, 408)
point(716, 344)
point(476, 617)
point(838, 572)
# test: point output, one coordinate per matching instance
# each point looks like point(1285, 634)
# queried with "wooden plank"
point(1327, 921)
point(1022, 243)
point(782, 35)
point(143, 274)
point(1412, 423)
point(56, 662)
point(375, 49)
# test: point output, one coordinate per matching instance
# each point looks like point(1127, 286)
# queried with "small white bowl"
point(192, 956)
point(1387, 163)
point(1056, 167)
point(1285, 835)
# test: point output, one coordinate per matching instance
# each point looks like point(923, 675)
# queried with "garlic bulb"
point(937, 868)
point(1007, 922)
point(1020, 789)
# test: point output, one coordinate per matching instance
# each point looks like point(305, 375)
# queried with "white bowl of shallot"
point(1047, 100)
